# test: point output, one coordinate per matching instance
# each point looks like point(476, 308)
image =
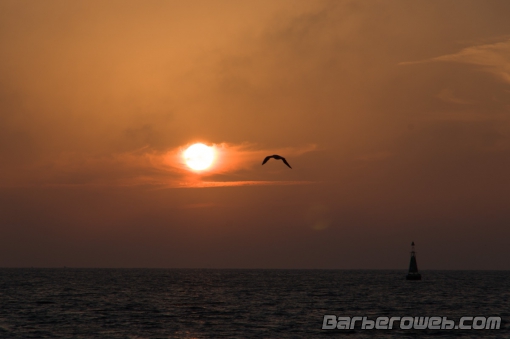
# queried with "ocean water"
point(181, 303)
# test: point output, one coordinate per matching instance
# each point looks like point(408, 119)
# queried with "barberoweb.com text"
point(332, 322)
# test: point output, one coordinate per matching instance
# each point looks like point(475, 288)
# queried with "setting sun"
point(199, 156)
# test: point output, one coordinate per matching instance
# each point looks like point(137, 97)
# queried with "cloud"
point(493, 58)
point(202, 184)
point(230, 159)
point(448, 96)
point(152, 168)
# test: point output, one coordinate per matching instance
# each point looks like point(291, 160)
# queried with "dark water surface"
point(173, 303)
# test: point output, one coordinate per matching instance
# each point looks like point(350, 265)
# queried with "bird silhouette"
point(277, 157)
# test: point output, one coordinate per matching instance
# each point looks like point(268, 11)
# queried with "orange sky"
point(394, 115)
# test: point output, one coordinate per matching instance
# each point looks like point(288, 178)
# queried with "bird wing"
point(286, 163)
point(266, 159)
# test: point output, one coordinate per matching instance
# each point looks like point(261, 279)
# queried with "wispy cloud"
point(493, 58)
point(202, 184)
point(158, 169)
point(230, 158)
point(447, 95)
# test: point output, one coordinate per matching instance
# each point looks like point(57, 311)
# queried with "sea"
point(241, 303)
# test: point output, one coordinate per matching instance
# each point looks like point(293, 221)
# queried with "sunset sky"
point(395, 117)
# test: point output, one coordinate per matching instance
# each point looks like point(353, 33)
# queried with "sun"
point(199, 156)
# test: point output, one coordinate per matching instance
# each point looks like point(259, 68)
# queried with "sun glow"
point(199, 156)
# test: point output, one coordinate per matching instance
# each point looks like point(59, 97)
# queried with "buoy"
point(413, 266)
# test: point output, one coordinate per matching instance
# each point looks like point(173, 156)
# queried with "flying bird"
point(277, 157)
